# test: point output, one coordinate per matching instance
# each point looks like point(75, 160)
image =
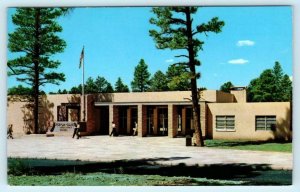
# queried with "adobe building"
point(223, 115)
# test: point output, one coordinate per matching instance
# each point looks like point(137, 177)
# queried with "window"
point(225, 123)
point(265, 122)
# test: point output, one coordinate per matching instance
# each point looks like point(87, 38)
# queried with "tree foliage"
point(20, 90)
point(159, 82)
point(226, 87)
point(99, 85)
point(120, 86)
point(35, 40)
point(271, 86)
point(76, 89)
point(176, 32)
point(178, 78)
point(141, 80)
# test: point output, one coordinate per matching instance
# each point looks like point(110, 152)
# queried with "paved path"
point(158, 149)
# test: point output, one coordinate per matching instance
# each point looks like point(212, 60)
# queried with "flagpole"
point(83, 86)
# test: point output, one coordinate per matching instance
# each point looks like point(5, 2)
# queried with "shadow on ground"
point(250, 174)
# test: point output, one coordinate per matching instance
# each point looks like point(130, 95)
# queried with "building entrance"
point(102, 120)
point(163, 121)
point(68, 112)
point(127, 119)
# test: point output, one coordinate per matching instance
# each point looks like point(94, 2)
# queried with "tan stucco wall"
point(245, 120)
point(240, 95)
point(168, 96)
point(17, 112)
point(175, 96)
point(223, 97)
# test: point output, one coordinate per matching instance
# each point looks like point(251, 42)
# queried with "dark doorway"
point(150, 120)
point(68, 112)
point(189, 120)
point(163, 121)
point(102, 120)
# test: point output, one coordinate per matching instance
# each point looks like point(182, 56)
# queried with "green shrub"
point(17, 167)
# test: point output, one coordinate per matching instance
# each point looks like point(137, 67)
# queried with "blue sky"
point(115, 39)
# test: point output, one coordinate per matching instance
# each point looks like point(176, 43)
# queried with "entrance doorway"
point(127, 119)
point(68, 112)
point(163, 121)
point(150, 120)
point(189, 120)
point(102, 120)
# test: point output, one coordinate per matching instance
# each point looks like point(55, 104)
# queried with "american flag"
point(81, 57)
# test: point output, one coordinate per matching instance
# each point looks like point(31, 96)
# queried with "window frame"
point(226, 123)
point(267, 122)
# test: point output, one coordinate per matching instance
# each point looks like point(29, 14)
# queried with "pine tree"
point(120, 86)
point(35, 37)
point(141, 81)
point(103, 86)
point(177, 33)
point(178, 78)
point(271, 86)
point(286, 85)
point(159, 82)
point(90, 86)
point(278, 76)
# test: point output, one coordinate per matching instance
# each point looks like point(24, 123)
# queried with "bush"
point(17, 167)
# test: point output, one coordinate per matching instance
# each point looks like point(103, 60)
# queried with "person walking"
point(10, 131)
point(76, 130)
point(114, 130)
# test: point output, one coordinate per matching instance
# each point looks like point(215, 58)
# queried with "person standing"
point(135, 129)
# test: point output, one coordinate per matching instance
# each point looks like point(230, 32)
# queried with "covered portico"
point(150, 119)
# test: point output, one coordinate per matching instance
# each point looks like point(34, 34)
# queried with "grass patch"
point(251, 145)
point(143, 172)
point(105, 179)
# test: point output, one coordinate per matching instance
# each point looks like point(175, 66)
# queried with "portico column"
point(183, 119)
point(129, 126)
point(142, 120)
point(111, 114)
point(155, 120)
point(172, 120)
point(116, 117)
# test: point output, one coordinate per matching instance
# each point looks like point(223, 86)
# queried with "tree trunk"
point(36, 56)
point(194, 90)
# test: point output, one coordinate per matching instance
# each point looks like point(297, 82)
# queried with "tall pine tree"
point(35, 40)
point(141, 80)
point(176, 32)
point(120, 86)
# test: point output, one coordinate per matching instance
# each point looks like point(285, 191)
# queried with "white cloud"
point(242, 43)
point(238, 61)
point(169, 60)
point(291, 78)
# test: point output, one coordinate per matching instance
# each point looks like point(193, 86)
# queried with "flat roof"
point(144, 103)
